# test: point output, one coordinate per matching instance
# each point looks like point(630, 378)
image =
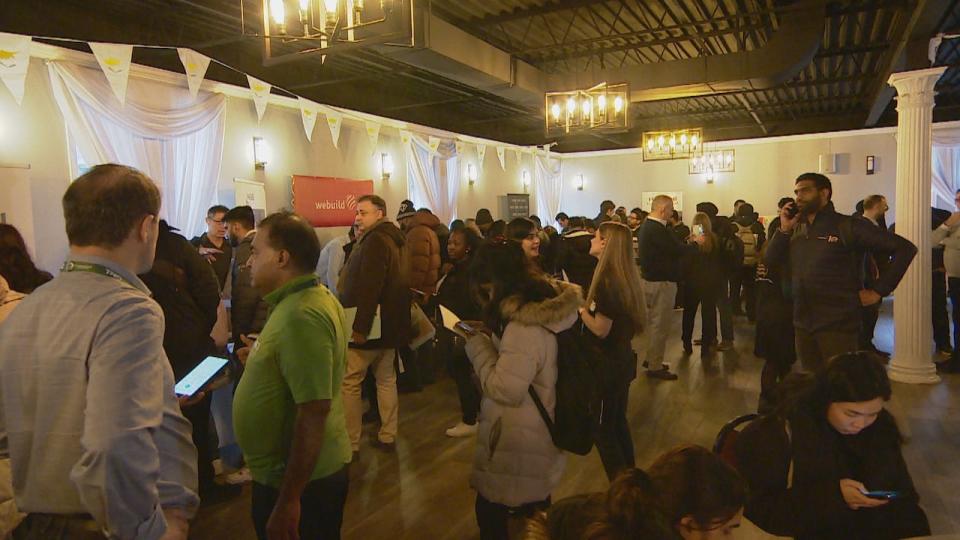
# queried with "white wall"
point(765, 172)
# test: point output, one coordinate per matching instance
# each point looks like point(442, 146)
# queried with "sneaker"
point(944, 353)
point(698, 342)
point(462, 430)
point(384, 446)
point(242, 476)
point(662, 374)
point(725, 346)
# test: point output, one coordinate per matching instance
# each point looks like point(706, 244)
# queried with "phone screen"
point(698, 230)
point(230, 347)
point(200, 376)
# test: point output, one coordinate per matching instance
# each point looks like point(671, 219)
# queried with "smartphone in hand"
point(884, 495)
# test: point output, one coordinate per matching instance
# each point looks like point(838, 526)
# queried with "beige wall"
point(765, 172)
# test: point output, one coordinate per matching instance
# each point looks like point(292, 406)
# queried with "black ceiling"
point(862, 43)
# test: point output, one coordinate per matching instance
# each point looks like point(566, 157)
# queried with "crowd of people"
point(97, 443)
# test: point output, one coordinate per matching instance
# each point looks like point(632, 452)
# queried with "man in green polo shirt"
point(288, 412)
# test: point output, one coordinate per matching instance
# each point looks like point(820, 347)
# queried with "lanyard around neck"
point(93, 268)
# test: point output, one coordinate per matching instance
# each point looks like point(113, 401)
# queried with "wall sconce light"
point(259, 153)
point(386, 166)
point(525, 178)
point(580, 182)
point(471, 173)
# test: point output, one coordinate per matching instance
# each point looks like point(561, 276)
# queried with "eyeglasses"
point(217, 221)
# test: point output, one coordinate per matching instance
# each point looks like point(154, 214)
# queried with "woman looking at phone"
point(516, 465)
point(818, 467)
point(613, 314)
point(703, 278)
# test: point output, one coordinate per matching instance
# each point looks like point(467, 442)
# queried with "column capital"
point(916, 87)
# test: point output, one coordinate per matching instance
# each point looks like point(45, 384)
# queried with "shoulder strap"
point(542, 410)
point(786, 427)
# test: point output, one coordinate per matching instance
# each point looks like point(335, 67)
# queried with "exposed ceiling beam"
point(533, 11)
point(746, 105)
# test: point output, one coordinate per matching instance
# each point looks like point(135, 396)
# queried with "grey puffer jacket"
point(516, 461)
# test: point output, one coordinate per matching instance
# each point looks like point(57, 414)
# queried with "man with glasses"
point(823, 251)
point(213, 244)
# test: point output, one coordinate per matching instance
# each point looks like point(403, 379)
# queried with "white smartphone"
point(200, 376)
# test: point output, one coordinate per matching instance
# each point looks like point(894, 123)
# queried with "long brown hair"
point(617, 276)
point(709, 239)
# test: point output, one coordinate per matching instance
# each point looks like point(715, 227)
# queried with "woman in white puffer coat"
point(516, 466)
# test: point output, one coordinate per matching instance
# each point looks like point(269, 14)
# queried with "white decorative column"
point(913, 334)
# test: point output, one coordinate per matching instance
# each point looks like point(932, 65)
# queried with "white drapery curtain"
point(433, 179)
point(175, 140)
point(946, 166)
point(548, 187)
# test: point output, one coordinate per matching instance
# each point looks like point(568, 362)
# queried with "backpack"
point(749, 239)
point(579, 403)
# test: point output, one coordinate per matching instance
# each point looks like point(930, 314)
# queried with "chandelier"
point(292, 29)
point(675, 144)
point(603, 108)
point(713, 161)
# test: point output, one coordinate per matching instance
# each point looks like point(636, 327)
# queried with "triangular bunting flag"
point(308, 112)
point(373, 132)
point(334, 120)
point(404, 137)
point(195, 65)
point(261, 94)
point(501, 151)
point(460, 147)
point(114, 60)
point(14, 61)
point(481, 151)
point(433, 143)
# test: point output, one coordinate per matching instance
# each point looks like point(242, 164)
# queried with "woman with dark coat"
point(702, 283)
point(811, 465)
point(454, 294)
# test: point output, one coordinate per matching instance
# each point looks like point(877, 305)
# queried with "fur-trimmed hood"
point(557, 313)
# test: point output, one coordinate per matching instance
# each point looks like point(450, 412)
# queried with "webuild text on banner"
point(326, 201)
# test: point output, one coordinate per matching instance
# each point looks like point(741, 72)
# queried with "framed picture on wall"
point(871, 164)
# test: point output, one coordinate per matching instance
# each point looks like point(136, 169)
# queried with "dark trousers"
point(815, 349)
point(744, 279)
point(613, 438)
point(199, 415)
point(868, 324)
point(494, 519)
point(411, 379)
point(707, 302)
point(461, 371)
point(941, 321)
point(726, 311)
point(321, 507)
point(954, 288)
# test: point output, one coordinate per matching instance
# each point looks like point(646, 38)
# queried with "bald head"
point(662, 207)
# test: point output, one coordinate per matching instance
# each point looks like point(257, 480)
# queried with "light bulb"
point(650, 144)
point(602, 102)
point(694, 140)
point(729, 158)
point(277, 10)
point(304, 4)
point(331, 5)
point(586, 107)
point(571, 105)
point(683, 139)
point(555, 110)
point(673, 141)
point(618, 104)
point(660, 141)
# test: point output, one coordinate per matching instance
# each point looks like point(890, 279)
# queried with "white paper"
point(375, 331)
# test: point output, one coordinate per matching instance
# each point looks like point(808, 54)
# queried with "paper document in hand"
point(450, 321)
point(351, 313)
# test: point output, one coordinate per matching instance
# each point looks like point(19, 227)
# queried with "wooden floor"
point(422, 491)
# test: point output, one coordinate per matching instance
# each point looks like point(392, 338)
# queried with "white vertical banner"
point(114, 60)
point(308, 112)
point(481, 151)
point(14, 61)
point(261, 94)
point(433, 143)
point(195, 65)
point(501, 155)
point(373, 133)
point(334, 121)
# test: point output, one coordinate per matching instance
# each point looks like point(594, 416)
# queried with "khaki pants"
point(381, 362)
point(660, 297)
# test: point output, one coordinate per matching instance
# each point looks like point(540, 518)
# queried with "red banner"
point(326, 201)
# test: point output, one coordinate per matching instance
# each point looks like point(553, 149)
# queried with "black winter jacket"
point(825, 262)
point(814, 508)
point(660, 252)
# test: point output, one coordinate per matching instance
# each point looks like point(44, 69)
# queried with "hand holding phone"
point(883, 495)
point(200, 376)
